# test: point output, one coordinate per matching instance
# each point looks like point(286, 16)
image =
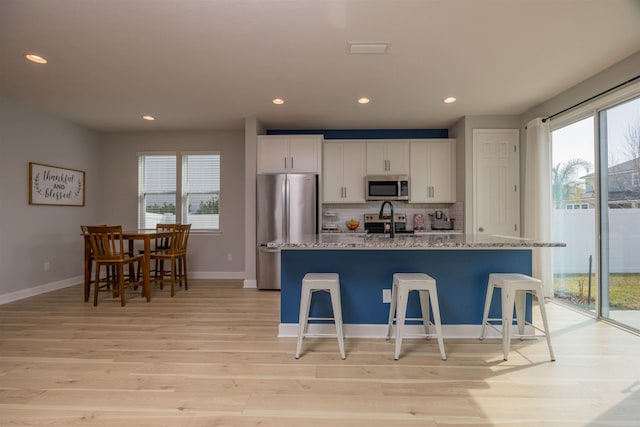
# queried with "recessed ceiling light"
point(35, 58)
point(363, 101)
point(149, 118)
point(449, 100)
point(278, 101)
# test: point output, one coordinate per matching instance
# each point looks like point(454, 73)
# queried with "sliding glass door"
point(596, 210)
point(574, 213)
point(620, 204)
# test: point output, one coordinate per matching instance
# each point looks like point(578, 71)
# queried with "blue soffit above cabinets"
point(365, 133)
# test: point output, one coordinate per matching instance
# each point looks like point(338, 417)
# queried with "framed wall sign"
point(51, 185)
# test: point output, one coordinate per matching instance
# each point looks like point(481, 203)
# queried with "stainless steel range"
point(374, 224)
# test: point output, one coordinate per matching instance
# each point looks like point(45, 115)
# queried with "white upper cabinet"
point(343, 174)
point(433, 176)
point(388, 157)
point(289, 153)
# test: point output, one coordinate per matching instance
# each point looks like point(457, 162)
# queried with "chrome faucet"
point(392, 231)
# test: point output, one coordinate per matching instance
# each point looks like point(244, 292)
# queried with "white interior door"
point(496, 195)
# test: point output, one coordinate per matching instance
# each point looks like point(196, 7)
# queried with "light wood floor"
point(210, 357)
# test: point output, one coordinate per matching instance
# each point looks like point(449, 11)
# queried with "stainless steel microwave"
point(387, 187)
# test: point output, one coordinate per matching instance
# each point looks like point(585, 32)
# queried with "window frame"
point(180, 196)
point(594, 109)
point(141, 190)
point(184, 208)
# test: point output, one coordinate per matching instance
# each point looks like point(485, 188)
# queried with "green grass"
point(624, 290)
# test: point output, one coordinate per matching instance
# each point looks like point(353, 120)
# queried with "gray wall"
point(463, 129)
point(618, 73)
point(463, 132)
point(31, 234)
point(208, 253)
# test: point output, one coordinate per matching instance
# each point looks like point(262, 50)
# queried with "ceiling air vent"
point(367, 48)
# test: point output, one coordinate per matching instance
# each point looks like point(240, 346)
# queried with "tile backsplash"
point(336, 215)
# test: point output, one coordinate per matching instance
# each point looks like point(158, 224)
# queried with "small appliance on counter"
point(329, 224)
point(439, 221)
point(418, 222)
point(374, 224)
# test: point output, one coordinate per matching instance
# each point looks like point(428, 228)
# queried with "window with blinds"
point(191, 178)
point(201, 191)
point(156, 190)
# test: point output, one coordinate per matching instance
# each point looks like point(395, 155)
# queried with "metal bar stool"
point(403, 283)
point(512, 285)
point(320, 282)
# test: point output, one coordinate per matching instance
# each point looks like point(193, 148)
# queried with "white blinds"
point(201, 190)
point(156, 190)
point(193, 179)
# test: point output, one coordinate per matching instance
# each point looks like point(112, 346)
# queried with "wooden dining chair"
point(159, 244)
point(176, 255)
point(107, 246)
point(88, 262)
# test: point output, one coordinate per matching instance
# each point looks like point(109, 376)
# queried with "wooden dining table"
point(146, 235)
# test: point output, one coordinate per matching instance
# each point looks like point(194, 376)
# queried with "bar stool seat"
point(320, 282)
point(512, 285)
point(403, 283)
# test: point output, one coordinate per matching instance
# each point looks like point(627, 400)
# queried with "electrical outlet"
point(386, 295)
point(47, 266)
point(229, 257)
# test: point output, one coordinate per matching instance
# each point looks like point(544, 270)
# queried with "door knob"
point(481, 229)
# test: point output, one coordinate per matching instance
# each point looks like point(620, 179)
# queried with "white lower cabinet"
point(343, 172)
point(432, 169)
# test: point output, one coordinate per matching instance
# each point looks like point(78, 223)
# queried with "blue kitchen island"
point(460, 264)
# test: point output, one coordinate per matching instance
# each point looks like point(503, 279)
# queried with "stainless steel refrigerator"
point(287, 209)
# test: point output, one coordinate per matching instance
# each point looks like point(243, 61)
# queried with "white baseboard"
point(37, 290)
point(290, 330)
point(250, 284)
point(216, 274)
point(48, 287)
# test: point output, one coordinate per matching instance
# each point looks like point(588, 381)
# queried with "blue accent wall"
point(461, 277)
point(366, 133)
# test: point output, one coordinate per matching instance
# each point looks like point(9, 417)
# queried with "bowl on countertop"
point(352, 224)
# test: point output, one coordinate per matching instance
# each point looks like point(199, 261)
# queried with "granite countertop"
point(409, 241)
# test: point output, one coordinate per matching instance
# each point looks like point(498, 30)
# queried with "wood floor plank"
point(210, 356)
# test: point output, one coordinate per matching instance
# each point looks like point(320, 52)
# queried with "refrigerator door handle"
point(287, 206)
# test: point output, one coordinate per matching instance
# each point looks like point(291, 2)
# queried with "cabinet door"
point(353, 172)
point(304, 154)
point(376, 158)
point(432, 168)
point(397, 155)
point(272, 154)
point(332, 180)
point(441, 171)
point(419, 187)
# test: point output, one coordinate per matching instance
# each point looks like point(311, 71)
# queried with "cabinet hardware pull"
point(292, 163)
point(285, 162)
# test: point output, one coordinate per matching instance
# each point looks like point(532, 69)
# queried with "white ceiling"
point(208, 64)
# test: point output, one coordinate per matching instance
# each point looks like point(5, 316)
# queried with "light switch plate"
point(386, 295)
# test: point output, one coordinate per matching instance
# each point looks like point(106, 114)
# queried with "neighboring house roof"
point(632, 165)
